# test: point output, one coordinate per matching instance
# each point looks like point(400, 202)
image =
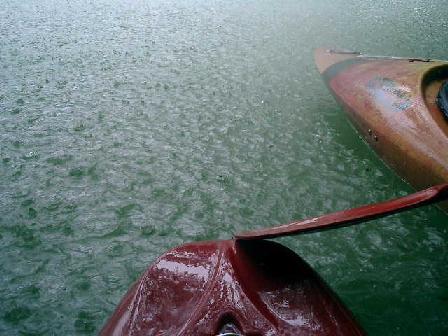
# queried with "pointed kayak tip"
point(352, 216)
point(325, 57)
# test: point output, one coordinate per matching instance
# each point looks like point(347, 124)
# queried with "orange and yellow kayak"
point(400, 107)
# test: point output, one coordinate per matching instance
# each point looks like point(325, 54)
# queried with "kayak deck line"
point(393, 103)
point(359, 54)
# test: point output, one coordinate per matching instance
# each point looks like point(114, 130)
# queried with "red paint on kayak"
point(249, 288)
point(352, 216)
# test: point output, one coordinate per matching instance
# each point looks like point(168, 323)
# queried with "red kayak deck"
point(244, 287)
point(248, 286)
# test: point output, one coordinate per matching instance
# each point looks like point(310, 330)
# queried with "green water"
point(130, 127)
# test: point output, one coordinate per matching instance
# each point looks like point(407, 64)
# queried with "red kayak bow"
point(231, 288)
point(246, 287)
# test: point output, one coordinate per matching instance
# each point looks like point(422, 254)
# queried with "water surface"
point(130, 127)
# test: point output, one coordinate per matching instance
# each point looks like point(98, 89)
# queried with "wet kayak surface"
point(394, 103)
point(130, 128)
point(256, 288)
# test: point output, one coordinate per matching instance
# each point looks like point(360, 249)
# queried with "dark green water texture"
point(130, 127)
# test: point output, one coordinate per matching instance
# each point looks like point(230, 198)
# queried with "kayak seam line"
point(207, 292)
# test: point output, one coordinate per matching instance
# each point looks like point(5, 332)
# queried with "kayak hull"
point(392, 103)
point(250, 288)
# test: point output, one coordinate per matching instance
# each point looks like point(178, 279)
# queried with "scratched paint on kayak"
point(400, 98)
point(128, 128)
